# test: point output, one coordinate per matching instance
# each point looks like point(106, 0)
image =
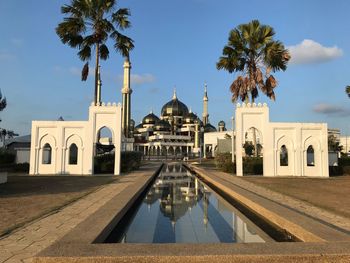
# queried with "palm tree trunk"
point(97, 98)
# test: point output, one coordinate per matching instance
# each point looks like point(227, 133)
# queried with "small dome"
point(190, 118)
point(150, 119)
point(139, 126)
point(132, 123)
point(209, 128)
point(221, 123)
point(174, 108)
point(162, 126)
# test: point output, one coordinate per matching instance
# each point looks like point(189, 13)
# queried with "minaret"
point(205, 106)
point(126, 99)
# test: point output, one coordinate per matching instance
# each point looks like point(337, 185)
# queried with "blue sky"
point(177, 43)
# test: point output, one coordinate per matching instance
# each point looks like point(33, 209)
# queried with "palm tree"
point(88, 25)
point(252, 51)
point(3, 102)
point(347, 90)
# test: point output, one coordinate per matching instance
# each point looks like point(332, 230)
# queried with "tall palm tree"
point(347, 90)
point(252, 51)
point(88, 25)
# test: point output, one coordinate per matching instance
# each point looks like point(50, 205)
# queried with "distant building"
point(20, 146)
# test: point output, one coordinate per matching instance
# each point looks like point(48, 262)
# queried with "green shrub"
point(223, 162)
point(6, 157)
point(253, 165)
point(344, 161)
point(346, 170)
point(104, 163)
point(335, 170)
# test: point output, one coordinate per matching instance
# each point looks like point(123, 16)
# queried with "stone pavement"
point(22, 245)
point(326, 217)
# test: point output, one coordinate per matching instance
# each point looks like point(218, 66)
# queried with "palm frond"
point(120, 18)
point(104, 52)
point(85, 72)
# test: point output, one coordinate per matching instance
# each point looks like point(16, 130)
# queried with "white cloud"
point(6, 55)
point(141, 79)
point(137, 79)
point(329, 109)
point(17, 42)
point(309, 52)
point(75, 71)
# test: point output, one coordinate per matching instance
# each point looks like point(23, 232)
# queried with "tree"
point(347, 90)
point(3, 102)
point(88, 25)
point(334, 144)
point(252, 51)
point(248, 148)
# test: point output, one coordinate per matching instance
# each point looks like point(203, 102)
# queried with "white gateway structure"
point(69, 147)
point(288, 149)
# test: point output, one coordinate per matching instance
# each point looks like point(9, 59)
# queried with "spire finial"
point(190, 110)
point(174, 95)
point(151, 112)
point(205, 92)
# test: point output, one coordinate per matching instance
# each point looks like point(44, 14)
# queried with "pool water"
point(179, 208)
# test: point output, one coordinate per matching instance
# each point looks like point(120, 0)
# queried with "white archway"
point(47, 167)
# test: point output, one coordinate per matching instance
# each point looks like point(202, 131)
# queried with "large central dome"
point(174, 108)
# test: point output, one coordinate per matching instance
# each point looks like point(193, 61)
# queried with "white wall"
point(60, 135)
point(297, 137)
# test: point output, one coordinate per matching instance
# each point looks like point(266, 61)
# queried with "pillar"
point(126, 99)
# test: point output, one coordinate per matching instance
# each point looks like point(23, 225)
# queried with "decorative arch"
point(285, 156)
point(311, 157)
point(258, 133)
point(47, 142)
point(77, 166)
point(96, 136)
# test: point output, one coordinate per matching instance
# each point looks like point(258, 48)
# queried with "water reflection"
point(180, 209)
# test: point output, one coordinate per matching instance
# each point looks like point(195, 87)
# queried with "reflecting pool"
point(179, 208)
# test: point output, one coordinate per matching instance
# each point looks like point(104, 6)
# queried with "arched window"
point(284, 156)
point(47, 152)
point(73, 154)
point(310, 156)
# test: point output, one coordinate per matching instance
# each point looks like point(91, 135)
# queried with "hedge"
point(129, 161)
point(7, 157)
point(223, 162)
point(251, 165)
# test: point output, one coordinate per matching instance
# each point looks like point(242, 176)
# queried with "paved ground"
point(25, 198)
point(331, 194)
point(27, 241)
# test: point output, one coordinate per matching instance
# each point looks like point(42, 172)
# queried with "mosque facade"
point(177, 132)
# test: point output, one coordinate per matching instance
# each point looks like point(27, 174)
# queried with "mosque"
point(177, 132)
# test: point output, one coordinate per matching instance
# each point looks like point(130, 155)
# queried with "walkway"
point(26, 242)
